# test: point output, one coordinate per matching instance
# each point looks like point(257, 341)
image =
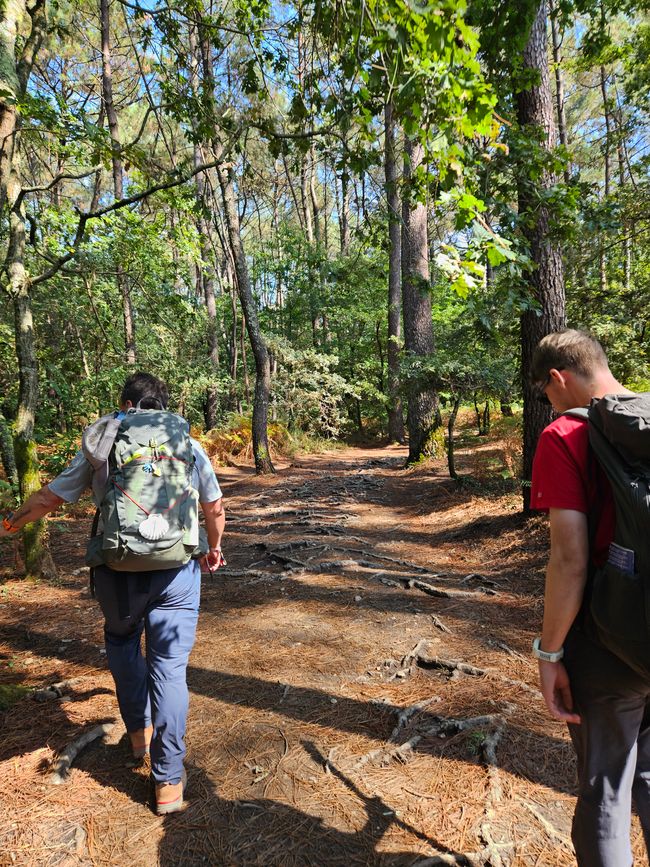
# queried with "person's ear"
point(557, 376)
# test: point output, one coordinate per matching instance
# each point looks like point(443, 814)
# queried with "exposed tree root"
point(405, 715)
point(450, 665)
point(550, 829)
point(507, 649)
point(442, 727)
point(55, 690)
point(437, 622)
point(398, 579)
point(66, 757)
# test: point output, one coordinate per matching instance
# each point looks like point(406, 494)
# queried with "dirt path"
point(326, 726)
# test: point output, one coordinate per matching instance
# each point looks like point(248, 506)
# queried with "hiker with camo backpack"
point(148, 477)
point(592, 474)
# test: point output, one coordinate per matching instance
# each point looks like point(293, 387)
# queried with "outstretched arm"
point(566, 577)
point(40, 503)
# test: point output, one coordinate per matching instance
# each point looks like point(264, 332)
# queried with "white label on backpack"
point(194, 533)
point(621, 558)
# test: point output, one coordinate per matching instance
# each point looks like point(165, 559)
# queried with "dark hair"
point(567, 350)
point(146, 390)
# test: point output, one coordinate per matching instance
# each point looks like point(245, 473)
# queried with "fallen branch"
point(55, 690)
point(256, 576)
point(449, 665)
point(66, 757)
point(437, 622)
point(503, 646)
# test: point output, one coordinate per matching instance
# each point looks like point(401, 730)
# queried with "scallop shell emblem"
point(153, 527)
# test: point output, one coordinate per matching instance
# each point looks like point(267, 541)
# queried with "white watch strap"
point(545, 655)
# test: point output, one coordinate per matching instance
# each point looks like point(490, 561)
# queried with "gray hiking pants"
point(613, 748)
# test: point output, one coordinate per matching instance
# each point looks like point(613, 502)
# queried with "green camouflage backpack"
point(148, 516)
point(619, 434)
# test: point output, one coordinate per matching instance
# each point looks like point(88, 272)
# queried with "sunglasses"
point(541, 389)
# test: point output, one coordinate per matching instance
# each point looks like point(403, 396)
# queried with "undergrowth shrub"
point(235, 439)
point(508, 431)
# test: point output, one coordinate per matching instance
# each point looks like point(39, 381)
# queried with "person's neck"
point(602, 384)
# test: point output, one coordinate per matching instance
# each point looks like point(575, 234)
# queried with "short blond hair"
point(567, 350)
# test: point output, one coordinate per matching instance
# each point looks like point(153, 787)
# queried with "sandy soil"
point(324, 726)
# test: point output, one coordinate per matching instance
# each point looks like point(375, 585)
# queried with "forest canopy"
point(339, 218)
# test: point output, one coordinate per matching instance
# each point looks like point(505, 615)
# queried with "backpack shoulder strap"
point(578, 412)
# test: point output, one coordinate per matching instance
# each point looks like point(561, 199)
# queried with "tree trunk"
point(344, 205)
point(559, 83)
point(12, 16)
point(118, 176)
point(418, 325)
point(395, 414)
point(244, 361)
point(451, 463)
point(315, 204)
point(627, 243)
point(15, 69)
point(608, 131)
point(38, 560)
point(206, 279)
point(7, 455)
point(546, 280)
point(261, 453)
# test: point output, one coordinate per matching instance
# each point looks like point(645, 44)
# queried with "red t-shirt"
point(566, 475)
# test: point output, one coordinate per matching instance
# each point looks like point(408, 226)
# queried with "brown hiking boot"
point(169, 796)
point(140, 741)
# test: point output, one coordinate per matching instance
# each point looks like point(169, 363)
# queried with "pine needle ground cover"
point(362, 691)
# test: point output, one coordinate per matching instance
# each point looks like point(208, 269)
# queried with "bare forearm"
point(39, 504)
point(566, 575)
point(565, 587)
point(215, 522)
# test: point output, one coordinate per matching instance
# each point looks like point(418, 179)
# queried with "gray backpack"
point(148, 516)
point(619, 434)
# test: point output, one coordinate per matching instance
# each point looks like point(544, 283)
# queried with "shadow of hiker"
point(251, 832)
point(261, 832)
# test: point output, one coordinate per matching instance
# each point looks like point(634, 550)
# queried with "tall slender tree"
point(422, 415)
point(118, 172)
point(546, 278)
point(395, 417)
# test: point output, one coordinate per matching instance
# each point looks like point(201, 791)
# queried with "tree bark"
point(451, 463)
point(395, 414)
point(7, 455)
point(261, 452)
point(344, 207)
point(546, 280)
point(16, 61)
point(422, 415)
point(559, 83)
point(118, 175)
point(627, 243)
point(315, 204)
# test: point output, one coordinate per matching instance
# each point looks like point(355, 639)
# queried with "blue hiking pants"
point(152, 689)
point(613, 749)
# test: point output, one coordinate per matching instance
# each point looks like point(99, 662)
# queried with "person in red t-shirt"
point(605, 703)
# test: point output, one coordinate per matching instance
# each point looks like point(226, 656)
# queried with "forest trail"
point(327, 725)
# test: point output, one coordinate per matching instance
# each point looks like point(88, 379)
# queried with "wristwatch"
point(8, 526)
point(545, 655)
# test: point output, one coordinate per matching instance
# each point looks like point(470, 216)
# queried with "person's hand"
point(213, 560)
point(6, 528)
point(556, 689)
